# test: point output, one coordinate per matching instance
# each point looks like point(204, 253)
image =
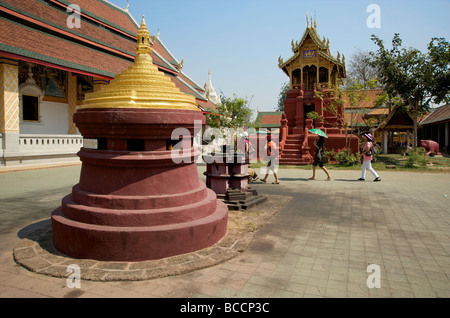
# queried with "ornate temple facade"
point(312, 69)
point(52, 53)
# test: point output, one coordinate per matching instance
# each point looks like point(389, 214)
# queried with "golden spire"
point(143, 39)
point(142, 85)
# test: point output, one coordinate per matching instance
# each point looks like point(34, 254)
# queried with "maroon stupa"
point(135, 202)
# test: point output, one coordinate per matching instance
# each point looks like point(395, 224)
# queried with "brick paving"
point(319, 244)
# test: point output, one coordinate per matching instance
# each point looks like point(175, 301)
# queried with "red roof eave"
point(65, 33)
point(56, 2)
point(68, 69)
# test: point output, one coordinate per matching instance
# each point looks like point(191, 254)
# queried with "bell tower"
point(312, 68)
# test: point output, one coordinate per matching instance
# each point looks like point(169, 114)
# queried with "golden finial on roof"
point(307, 19)
point(142, 85)
point(180, 65)
point(315, 23)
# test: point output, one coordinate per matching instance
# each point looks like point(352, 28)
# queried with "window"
point(30, 107)
point(296, 77)
point(136, 144)
point(323, 75)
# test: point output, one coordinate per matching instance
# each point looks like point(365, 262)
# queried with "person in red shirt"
point(272, 154)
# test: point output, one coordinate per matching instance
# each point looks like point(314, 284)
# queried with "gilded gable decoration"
point(312, 63)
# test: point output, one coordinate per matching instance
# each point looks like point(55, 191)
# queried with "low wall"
point(43, 149)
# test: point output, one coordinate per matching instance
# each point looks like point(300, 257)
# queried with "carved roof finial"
point(315, 23)
point(307, 19)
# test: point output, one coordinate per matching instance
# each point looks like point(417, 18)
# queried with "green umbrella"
point(318, 132)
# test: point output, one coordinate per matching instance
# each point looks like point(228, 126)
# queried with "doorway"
point(307, 109)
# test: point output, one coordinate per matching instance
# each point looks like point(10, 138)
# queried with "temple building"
point(52, 53)
point(311, 69)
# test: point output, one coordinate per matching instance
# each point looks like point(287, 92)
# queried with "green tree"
point(355, 93)
point(439, 61)
point(233, 112)
point(416, 78)
point(282, 96)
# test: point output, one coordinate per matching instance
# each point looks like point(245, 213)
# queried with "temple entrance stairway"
point(292, 153)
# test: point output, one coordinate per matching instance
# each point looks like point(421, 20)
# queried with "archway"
point(310, 76)
point(296, 78)
point(323, 75)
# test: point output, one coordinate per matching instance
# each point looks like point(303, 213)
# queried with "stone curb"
point(37, 253)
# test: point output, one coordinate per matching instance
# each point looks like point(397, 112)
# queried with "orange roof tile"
point(371, 97)
point(271, 120)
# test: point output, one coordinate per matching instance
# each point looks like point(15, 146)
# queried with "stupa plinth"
point(133, 201)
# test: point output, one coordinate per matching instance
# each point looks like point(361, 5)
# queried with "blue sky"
point(240, 40)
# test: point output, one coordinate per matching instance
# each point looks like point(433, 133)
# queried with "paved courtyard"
point(319, 244)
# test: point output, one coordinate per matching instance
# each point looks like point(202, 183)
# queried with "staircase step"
point(294, 163)
point(294, 140)
point(292, 147)
point(296, 149)
point(291, 154)
point(287, 157)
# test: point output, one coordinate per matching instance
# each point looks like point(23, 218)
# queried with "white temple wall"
point(54, 119)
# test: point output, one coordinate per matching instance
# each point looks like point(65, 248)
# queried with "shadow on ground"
point(36, 252)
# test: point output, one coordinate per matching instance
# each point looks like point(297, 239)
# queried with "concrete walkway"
point(319, 245)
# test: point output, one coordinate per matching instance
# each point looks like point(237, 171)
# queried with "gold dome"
point(142, 85)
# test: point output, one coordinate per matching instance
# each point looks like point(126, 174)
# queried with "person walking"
point(272, 153)
point(367, 158)
point(253, 175)
point(319, 143)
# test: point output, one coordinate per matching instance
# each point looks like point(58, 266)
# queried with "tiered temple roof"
point(37, 31)
point(322, 46)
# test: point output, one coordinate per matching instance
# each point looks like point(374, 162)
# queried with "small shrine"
point(227, 174)
point(134, 202)
point(311, 69)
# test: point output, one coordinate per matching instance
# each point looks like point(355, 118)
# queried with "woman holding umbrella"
point(318, 156)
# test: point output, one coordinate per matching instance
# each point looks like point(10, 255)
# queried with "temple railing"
point(50, 143)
